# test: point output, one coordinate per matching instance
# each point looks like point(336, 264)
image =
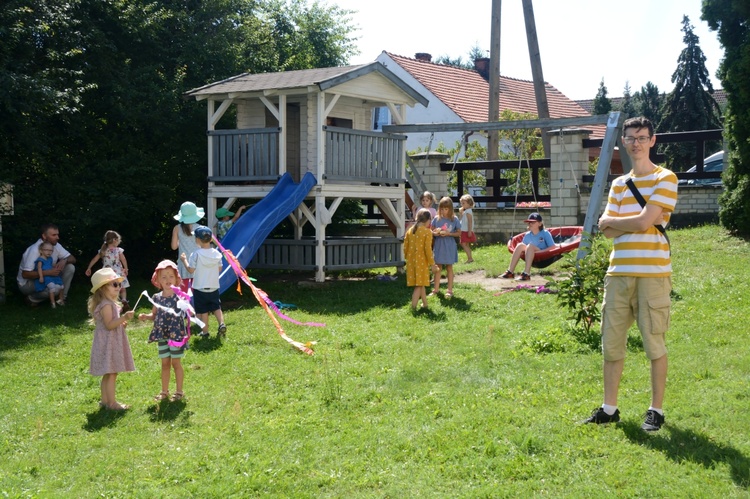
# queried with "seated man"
point(63, 265)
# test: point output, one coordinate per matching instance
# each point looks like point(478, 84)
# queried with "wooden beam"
point(614, 127)
point(540, 91)
point(499, 125)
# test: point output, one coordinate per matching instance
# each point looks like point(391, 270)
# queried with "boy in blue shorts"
point(205, 265)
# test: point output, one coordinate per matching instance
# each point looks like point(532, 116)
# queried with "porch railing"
point(340, 254)
point(245, 155)
point(350, 156)
point(369, 157)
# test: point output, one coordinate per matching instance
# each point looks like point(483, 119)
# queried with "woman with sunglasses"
point(536, 239)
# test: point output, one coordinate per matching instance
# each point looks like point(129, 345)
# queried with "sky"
point(581, 42)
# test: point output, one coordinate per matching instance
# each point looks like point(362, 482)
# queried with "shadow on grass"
point(166, 410)
point(430, 314)
point(209, 344)
point(454, 302)
point(102, 418)
point(686, 445)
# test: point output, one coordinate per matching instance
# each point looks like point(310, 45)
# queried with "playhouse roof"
point(301, 81)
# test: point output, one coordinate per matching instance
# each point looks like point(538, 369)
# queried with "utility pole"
point(493, 112)
point(542, 107)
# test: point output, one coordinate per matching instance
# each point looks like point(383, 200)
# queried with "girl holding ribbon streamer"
point(169, 332)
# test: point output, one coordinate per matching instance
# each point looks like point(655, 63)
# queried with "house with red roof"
point(458, 95)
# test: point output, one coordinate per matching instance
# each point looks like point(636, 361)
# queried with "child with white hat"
point(110, 350)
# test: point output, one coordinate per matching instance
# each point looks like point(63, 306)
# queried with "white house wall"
point(436, 112)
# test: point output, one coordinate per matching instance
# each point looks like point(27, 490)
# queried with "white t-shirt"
point(32, 253)
point(207, 265)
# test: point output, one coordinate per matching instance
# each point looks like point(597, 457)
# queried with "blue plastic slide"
point(247, 234)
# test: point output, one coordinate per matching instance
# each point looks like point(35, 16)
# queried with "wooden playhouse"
point(309, 130)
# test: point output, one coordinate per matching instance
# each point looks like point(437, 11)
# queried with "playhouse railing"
point(350, 156)
point(244, 155)
point(368, 157)
point(346, 253)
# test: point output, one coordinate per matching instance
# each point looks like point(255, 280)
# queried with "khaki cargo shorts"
point(644, 300)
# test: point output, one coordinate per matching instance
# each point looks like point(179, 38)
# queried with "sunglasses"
point(115, 284)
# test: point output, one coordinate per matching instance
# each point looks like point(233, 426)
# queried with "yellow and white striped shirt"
point(642, 254)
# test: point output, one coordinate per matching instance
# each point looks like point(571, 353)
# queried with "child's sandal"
point(177, 396)
point(162, 396)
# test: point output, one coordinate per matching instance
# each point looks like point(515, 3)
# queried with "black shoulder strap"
point(638, 197)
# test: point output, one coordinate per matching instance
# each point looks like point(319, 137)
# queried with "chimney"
point(423, 56)
point(482, 66)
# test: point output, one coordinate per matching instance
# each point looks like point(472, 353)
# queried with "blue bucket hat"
point(189, 213)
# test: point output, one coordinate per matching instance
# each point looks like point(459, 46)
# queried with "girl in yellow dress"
point(419, 258)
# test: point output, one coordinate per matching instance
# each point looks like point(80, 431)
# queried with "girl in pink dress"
point(110, 351)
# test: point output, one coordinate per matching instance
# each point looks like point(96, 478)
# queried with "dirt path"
point(493, 283)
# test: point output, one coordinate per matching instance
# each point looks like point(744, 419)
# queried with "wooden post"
point(493, 110)
point(540, 92)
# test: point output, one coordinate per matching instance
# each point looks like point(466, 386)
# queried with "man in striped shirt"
point(638, 281)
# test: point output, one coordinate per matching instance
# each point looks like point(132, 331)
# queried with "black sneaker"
point(598, 416)
point(523, 277)
point(222, 330)
point(204, 334)
point(653, 422)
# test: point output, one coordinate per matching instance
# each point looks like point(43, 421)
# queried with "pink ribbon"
point(264, 301)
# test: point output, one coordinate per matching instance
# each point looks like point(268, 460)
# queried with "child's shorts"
point(468, 237)
point(168, 352)
point(206, 301)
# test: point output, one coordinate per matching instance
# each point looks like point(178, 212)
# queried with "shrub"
point(582, 292)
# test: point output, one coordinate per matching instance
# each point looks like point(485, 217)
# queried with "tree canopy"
point(731, 19)
point(94, 131)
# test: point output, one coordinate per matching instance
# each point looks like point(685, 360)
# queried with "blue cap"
point(203, 233)
point(534, 217)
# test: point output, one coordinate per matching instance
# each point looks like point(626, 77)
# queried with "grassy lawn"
point(481, 397)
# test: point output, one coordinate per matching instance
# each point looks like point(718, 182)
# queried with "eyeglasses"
point(643, 139)
point(115, 284)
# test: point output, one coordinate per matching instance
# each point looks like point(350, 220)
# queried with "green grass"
point(478, 398)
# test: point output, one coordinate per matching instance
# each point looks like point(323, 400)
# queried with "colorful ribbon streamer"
point(265, 302)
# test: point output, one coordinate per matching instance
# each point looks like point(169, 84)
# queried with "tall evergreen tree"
point(690, 106)
point(627, 106)
point(648, 102)
point(602, 105)
point(732, 21)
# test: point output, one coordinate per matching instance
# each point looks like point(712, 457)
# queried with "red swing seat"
point(566, 239)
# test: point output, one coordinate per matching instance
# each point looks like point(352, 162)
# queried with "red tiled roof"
point(466, 92)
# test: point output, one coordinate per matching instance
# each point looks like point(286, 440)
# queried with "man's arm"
point(647, 217)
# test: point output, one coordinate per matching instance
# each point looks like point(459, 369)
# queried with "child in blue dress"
point(53, 283)
point(446, 229)
point(169, 331)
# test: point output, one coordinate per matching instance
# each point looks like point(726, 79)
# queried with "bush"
point(582, 292)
